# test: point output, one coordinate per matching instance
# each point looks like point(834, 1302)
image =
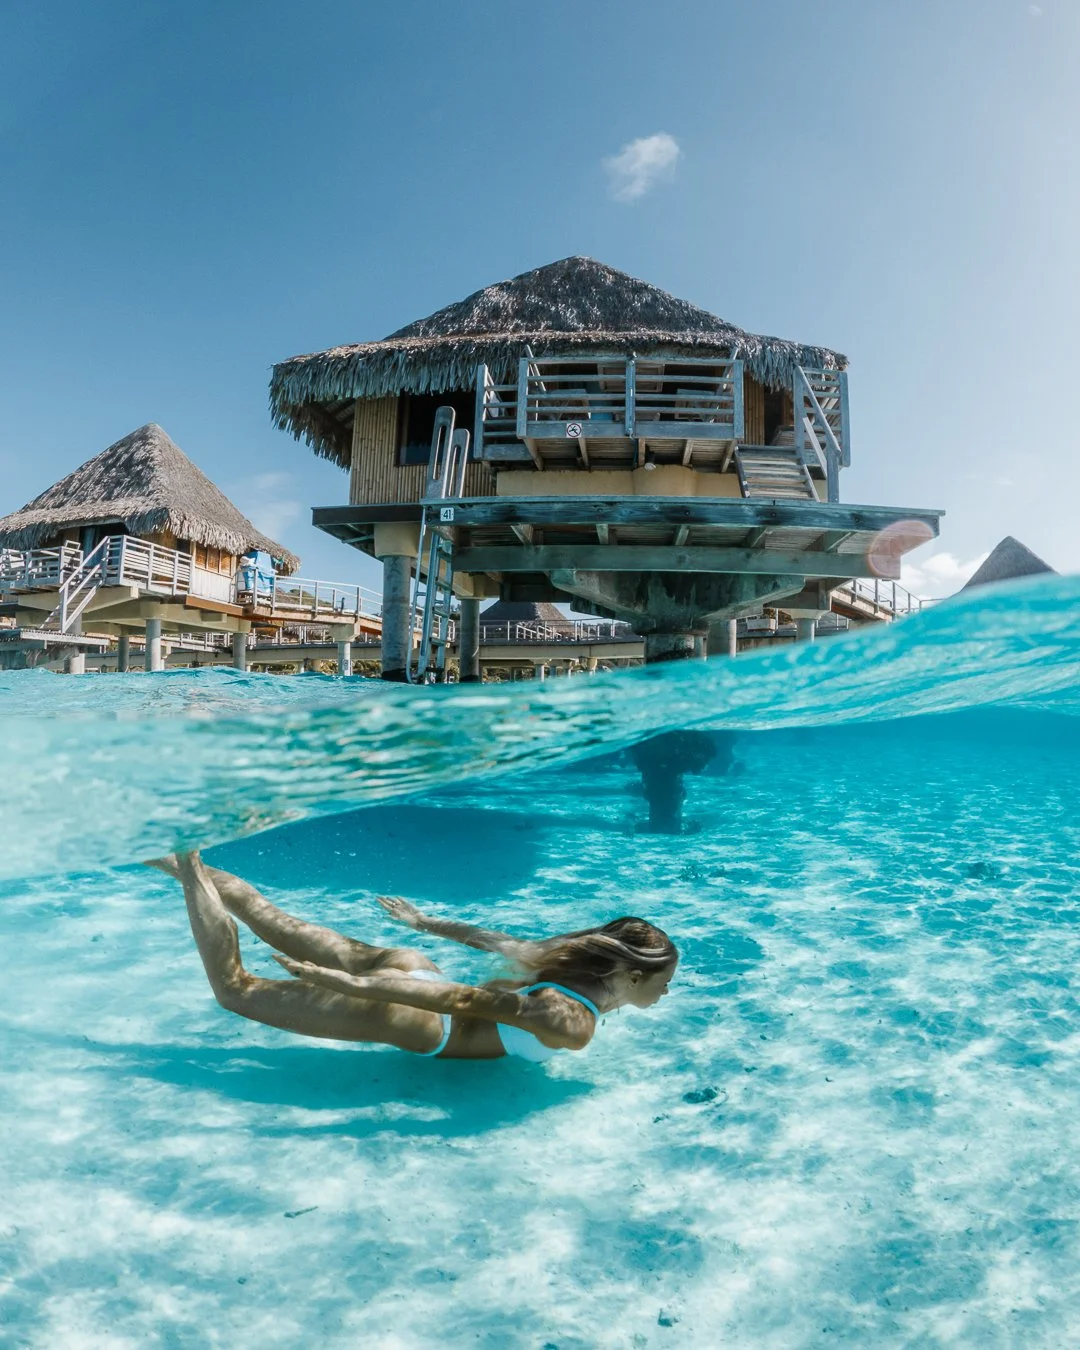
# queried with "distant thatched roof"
point(575, 304)
point(523, 611)
point(1009, 560)
point(148, 484)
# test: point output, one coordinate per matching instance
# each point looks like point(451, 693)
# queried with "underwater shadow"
point(399, 1094)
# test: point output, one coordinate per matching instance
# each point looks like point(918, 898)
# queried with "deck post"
point(469, 642)
point(344, 657)
point(154, 659)
point(123, 654)
point(396, 634)
point(805, 630)
point(240, 651)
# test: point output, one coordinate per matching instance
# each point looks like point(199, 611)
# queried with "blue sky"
point(189, 193)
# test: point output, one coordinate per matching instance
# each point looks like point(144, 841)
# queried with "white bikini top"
point(523, 1044)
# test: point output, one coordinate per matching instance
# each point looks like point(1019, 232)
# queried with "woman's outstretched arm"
point(485, 939)
point(558, 1022)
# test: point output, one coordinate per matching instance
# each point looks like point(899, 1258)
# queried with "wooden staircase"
point(774, 471)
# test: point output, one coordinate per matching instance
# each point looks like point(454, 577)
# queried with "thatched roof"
point(523, 611)
point(148, 484)
point(575, 304)
point(1009, 560)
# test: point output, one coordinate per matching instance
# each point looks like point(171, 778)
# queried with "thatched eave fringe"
point(301, 386)
point(574, 305)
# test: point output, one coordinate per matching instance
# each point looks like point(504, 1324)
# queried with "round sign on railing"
point(573, 429)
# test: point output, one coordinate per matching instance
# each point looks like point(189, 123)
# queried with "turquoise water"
point(852, 1122)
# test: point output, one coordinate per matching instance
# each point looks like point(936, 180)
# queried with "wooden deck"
point(512, 535)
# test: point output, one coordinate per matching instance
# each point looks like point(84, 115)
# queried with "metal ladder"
point(433, 587)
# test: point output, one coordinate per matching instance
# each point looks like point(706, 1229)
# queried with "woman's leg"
point(289, 1004)
point(296, 938)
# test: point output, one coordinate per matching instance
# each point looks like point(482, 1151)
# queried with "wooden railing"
point(151, 567)
point(608, 396)
point(34, 568)
point(821, 423)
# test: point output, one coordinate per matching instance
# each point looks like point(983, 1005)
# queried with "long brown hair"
point(595, 953)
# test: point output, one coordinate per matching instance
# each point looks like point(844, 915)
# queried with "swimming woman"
point(345, 990)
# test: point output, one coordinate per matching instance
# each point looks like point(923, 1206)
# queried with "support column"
point(732, 637)
point(669, 647)
point(396, 631)
point(154, 658)
point(344, 657)
point(123, 654)
point(805, 630)
point(76, 663)
point(240, 651)
point(469, 642)
point(663, 761)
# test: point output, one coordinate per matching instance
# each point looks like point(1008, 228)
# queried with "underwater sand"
point(854, 1120)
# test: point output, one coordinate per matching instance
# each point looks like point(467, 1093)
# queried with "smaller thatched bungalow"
point(137, 539)
point(504, 616)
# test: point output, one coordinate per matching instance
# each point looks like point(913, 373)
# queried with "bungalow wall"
point(376, 477)
point(766, 411)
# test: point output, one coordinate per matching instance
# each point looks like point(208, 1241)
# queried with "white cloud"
point(273, 517)
point(264, 499)
point(1035, 11)
point(940, 574)
point(270, 482)
point(640, 165)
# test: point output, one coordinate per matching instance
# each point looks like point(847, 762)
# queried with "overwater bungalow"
point(576, 435)
point(138, 542)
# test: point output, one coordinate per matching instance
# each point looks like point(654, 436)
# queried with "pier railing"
point(888, 598)
point(573, 630)
point(274, 596)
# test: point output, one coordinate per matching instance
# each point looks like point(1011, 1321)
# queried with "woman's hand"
point(309, 973)
point(303, 970)
point(402, 911)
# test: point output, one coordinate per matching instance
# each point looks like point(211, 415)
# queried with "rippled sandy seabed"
point(854, 1121)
